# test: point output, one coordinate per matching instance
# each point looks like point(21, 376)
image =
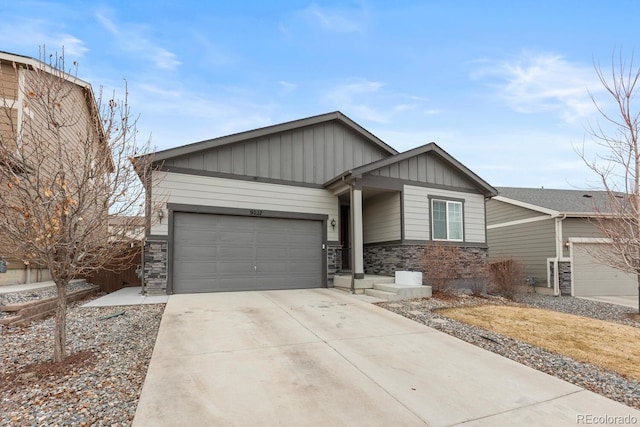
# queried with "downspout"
point(559, 254)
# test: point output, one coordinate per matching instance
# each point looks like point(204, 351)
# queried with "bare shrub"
point(441, 266)
point(479, 280)
point(507, 277)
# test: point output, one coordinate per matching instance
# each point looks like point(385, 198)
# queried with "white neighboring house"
point(292, 205)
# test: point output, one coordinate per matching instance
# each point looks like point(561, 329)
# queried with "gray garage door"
point(215, 253)
point(591, 278)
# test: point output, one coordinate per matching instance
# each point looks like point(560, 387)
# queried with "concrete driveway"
point(323, 358)
point(627, 301)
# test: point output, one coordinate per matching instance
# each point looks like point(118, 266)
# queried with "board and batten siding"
point(381, 218)
point(417, 224)
point(500, 212)
point(312, 155)
point(229, 193)
point(531, 242)
point(427, 168)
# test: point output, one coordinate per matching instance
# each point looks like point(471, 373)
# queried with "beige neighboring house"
point(550, 230)
point(130, 226)
point(15, 71)
point(294, 204)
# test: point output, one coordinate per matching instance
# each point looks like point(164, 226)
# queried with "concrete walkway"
point(126, 296)
point(627, 301)
point(323, 358)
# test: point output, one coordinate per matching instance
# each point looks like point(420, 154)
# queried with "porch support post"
point(357, 238)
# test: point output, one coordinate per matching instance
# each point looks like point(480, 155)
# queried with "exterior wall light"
point(333, 223)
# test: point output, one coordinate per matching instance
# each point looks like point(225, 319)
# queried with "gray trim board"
point(447, 199)
point(217, 210)
point(425, 242)
point(187, 171)
point(157, 237)
point(374, 181)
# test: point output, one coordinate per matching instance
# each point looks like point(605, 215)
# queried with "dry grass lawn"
point(608, 345)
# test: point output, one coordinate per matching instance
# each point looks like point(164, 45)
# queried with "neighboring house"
point(131, 227)
point(16, 119)
point(551, 231)
point(290, 205)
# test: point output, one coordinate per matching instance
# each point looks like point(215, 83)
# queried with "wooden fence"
point(119, 276)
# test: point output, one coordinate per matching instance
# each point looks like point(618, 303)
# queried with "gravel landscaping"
point(37, 294)
point(99, 385)
point(606, 383)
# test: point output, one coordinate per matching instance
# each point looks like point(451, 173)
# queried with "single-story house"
point(290, 205)
point(553, 233)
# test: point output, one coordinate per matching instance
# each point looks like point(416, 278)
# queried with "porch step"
point(344, 282)
point(395, 292)
point(389, 296)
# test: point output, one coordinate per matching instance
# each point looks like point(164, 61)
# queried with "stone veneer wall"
point(334, 262)
point(155, 267)
point(564, 277)
point(387, 259)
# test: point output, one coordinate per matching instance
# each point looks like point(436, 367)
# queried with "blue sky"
point(500, 85)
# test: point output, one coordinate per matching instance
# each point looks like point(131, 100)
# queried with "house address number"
point(254, 212)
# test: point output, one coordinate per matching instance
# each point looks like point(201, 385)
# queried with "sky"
point(502, 86)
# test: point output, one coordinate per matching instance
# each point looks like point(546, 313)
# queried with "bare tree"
point(65, 168)
point(617, 165)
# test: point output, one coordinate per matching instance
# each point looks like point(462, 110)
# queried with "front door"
point(345, 236)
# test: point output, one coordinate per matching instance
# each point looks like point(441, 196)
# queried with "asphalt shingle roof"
point(563, 201)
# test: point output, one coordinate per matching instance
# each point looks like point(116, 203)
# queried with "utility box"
point(409, 278)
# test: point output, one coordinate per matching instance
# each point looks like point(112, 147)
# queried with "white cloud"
point(29, 34)
point(543, 82)
point(287, 87)
point(350, 98)
point(372, 101)
point(133, 38)
point(336, 20)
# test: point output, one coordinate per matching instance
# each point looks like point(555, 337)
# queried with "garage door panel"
point(234, 252)
point(591, 277)
point(219, 252)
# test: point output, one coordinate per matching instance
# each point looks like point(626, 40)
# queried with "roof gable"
point(428, 164)
point(265, 132)
point(309, 151)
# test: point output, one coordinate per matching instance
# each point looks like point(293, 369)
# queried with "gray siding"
point(577, 227)
point(499, 212)
point(532, 242)
point(381, 218)
point(426, 168)
point(230, 193)
point(416, 213)
point(312, 155)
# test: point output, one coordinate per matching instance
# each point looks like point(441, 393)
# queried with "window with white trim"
point(446, 220)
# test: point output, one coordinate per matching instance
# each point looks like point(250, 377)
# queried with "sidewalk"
point(6, 289)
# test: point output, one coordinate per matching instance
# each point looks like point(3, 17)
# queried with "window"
point(446, 220)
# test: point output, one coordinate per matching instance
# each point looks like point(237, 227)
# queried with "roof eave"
point(269, 130)
point(529, 206)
